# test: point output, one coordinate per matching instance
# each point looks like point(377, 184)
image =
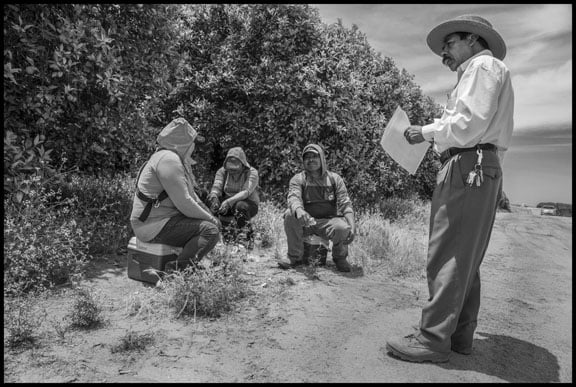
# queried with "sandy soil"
point(297, 329)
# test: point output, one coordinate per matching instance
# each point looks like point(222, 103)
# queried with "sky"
point(538, 164)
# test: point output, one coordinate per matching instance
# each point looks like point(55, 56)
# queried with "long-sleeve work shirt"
point(480, 108)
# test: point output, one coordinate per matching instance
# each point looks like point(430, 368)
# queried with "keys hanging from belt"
point(476, 176)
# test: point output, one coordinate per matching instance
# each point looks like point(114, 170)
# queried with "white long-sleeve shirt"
point(480, 109)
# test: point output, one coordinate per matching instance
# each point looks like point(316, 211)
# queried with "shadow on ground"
point(523, 361)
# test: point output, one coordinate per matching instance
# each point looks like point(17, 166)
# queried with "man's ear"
point(472, 38)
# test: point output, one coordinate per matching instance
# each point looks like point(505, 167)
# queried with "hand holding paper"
point(395, 144)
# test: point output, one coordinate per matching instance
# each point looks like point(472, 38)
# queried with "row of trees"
point(88, 86)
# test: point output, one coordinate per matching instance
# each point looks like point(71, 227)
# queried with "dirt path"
point(333, 330)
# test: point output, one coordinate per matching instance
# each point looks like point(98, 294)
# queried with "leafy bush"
point(81, 76)
point(99, 80)
point(20, 323)
point(395, 208)
point(207, 291)
point(44, 245)
point(86, 313)
point(103, 209)
point(268, 224)
point(400, 245)
point(61, 224)
point(273, 78)
point(133, 341)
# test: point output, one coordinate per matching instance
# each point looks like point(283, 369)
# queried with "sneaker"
point(410, 349)
point(342, 265)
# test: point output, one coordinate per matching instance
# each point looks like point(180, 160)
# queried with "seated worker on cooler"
point(318, 203)
point(234, 195)
point(165, 208)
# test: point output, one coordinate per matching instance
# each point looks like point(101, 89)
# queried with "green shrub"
point(20, 323)
point(268, 224)
point(44, 245)
point(394, 208)
point(103, 212)
point(133, 341)
point(86, 313)
point(207, 291)
point(398, 246)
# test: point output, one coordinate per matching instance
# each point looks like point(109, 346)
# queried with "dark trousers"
point(196, 237)
point(461, 222)
point(295, 236)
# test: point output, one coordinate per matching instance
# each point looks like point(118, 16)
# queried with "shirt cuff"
point(428, 132)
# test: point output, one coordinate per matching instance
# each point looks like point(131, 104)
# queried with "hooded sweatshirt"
point(168, 169)
point(319, 209)
point(227, 183)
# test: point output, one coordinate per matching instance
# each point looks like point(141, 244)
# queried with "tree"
point(272, 78)
point(77, 78)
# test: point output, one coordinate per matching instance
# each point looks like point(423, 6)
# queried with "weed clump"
point(20, 323)
point(86, 313)
point(133, 341)
point(207, 291)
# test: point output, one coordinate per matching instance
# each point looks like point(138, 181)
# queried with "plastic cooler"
point(142, 256)
point(315, 247)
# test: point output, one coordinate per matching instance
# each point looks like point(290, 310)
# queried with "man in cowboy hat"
point(471, 138)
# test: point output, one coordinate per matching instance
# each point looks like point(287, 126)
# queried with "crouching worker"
point(166, 208)
point(318, 203)
point(234, 196)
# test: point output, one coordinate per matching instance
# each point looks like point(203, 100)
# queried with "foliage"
point(272, 78)
point(98, 81)
point(393, 209)
point(398, 246)
point(20, 323)
point(43, 243)
point(78, 77)
point(133, 341)
point(206, 291)
point(103, 210)
point(61, 224)
point(86, 313)
point(268, 224)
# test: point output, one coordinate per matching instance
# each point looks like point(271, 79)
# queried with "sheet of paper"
point(394, 143)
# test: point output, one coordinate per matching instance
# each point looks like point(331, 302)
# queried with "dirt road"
point(334, 329)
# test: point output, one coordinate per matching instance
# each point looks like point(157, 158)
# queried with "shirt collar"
point(464, 65)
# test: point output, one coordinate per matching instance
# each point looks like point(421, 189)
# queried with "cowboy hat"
point(471, 24)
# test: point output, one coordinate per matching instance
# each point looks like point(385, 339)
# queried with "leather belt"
point(448, 153)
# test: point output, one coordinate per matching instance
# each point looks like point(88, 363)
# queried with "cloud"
point(543, 97)
point(538, 36)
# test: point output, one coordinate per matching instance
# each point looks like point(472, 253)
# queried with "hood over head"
point(238, 153)
point(178, 135)
point(317, 149)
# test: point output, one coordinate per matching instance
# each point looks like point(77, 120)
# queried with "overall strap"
point(330, 177)
point(149, 201)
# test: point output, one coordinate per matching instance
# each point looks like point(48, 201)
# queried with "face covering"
point(233, 165)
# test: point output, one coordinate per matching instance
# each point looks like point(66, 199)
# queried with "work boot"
point(342, 265)
point(287, 264)
point(409, 348)
point(462, 350)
